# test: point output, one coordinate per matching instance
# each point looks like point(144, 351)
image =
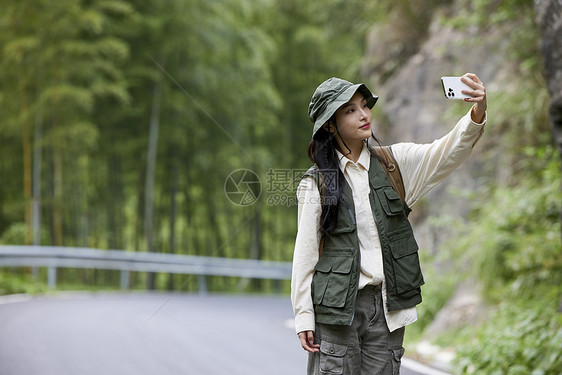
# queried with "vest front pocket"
point(331, 281)
point(405, 263)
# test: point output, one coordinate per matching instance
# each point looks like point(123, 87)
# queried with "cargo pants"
point(367, 347)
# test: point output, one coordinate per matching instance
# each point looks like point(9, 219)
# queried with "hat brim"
point(343, 98)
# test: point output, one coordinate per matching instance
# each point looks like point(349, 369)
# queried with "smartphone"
point(452, 87)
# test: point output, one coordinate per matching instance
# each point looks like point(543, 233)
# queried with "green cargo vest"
point(336, 276)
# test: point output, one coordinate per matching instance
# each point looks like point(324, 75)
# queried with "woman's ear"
point(328, 127)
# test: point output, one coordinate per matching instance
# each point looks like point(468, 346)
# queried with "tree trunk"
point(173, 211)
point(255, 251)
point(115, 202)
point(37, 157)
point(548, 15)
point(36, 203)
point(57, 192)
point(138, 217)
point(256, 248)
point(151, 172)
point(549, 19)
point(27, 157)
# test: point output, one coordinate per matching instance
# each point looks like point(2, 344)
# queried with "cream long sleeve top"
point(422, 166)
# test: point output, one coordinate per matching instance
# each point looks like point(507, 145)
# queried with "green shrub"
point(14, 284)
point(512, 240)
point(511, 244)
point(519, 339)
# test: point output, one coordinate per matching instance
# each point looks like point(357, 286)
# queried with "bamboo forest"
point(181, 127)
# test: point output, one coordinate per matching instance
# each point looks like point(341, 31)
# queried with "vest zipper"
point(358, 273)
point(356, 288)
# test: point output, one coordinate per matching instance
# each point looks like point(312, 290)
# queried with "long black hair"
point(330, 178)
point(322, 152)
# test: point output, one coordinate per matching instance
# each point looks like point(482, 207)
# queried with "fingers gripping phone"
point(452, 87)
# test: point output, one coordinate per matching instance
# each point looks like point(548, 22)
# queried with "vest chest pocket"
point(331, 280)
point(390, 201)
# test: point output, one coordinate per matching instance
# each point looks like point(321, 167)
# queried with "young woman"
point(356, 274)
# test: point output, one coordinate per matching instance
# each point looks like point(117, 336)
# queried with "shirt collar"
point(363, 161)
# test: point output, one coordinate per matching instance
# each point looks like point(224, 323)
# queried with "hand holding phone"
point(453, 86)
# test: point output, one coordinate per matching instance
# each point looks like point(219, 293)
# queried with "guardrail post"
point(202, 283)
point(35, 274)
point(125, 279)
point(52, 277)
point(277, 287)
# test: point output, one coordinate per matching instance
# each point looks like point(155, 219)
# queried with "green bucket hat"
point(332, 94)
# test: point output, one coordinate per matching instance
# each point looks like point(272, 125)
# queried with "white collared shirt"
point(422, 166)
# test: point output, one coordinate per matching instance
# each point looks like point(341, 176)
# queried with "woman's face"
point(354, 120)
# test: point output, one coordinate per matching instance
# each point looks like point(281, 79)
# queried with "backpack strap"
point(392, 169)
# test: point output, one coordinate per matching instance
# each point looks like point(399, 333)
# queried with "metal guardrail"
point(54, 257)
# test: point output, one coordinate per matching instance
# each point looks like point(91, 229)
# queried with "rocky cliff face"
point(413, 108)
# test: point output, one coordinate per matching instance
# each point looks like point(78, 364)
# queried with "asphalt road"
point(148, 334)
